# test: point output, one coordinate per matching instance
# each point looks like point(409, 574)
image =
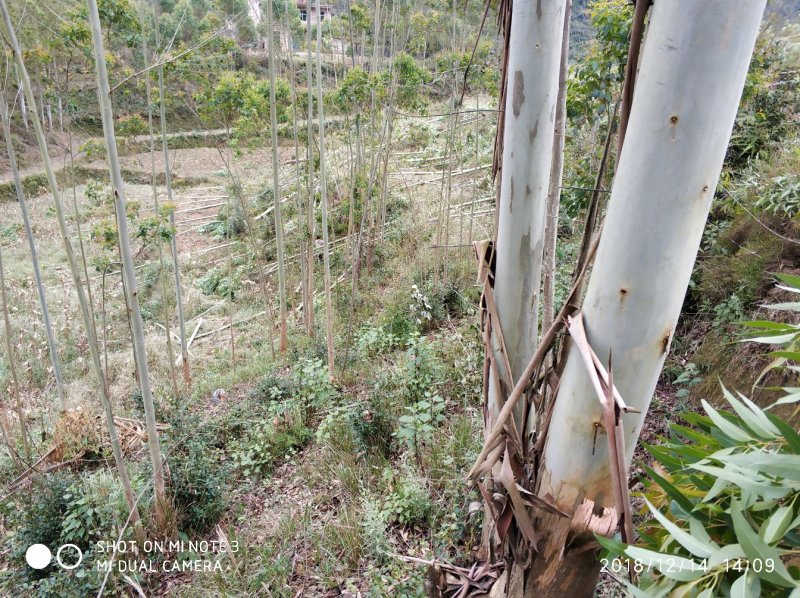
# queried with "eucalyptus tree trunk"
point(12, 365)
point(187, 377)
point(531, 90)
point(691, 77)
point(276, 186)
point(86, 313)
point(323, 183)
point(556, 174)
point(37, 274)
point(104, 96)
point(308, 301)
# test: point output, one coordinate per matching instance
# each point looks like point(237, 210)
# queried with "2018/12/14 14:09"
point(674, 565)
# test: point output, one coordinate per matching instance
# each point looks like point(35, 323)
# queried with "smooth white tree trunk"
point(23, 108)
point(556, 175)
point(187, 377)
point(104, 96)
point(531, 90)
point(691, 78)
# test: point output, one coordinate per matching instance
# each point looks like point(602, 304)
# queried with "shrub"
point(272, 387)
point(373, 428)
point(313, 382)
point(197, 480)
point(93, 150)
point(731, 487)
point(419, 422)
point(131, 124)
point(265, 444)
point(408, 502)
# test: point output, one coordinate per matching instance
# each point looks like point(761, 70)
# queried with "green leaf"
point(746, 586)
point(729, 429)
point(792, 438)
point(789, 279)
point(773, 528)
point(756, 549)
point(696, 546)
point(744, 481)
point(691, 434)
point(779, 339)
point(791, 306)
point(670, 489)
point(752, 416)
point(612, 545)
point(792, 397)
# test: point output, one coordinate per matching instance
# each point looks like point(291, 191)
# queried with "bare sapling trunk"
point(12, 365)
point(156, 204)
point(86, 313)
point(556, 175)
point(104, 96)
point(23, 107)
point(308, 301)
point(37, 273)
point(298, 177)
point(187, 377)
point(323, 183)
point(276, 185)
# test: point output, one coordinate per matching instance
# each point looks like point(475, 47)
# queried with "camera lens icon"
point(38, 556)
point(69, 566)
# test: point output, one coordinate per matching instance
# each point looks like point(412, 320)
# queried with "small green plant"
point(218, 282)
point(313, 382)
point(93, 150)
point(271, 388)
point(408, 502)
point(373, 428)
point(198, 478)
point(728, 311)
point(781, 197)
point(784, 334)
point(266, 443)
point(376, 339)
point(420, 307)
point(420, 420)
point(130, 125)
point(689, 378)
point(420, 368)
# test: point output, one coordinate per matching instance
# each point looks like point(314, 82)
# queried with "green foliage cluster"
point(730, 482)
point(239, 102)
point(595, 79)
point(198, 478)
point(265, 443)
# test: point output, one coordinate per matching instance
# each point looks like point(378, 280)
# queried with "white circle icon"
point(38, 556)
point(76, 563)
